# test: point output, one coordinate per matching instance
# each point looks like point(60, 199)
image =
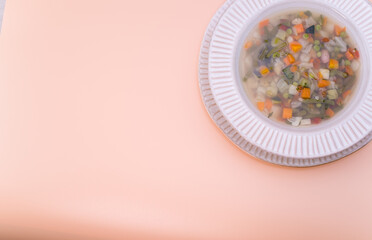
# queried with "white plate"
point(228, 106)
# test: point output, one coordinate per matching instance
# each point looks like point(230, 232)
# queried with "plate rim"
point(233, 135)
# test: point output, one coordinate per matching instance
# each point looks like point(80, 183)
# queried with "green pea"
point(318, 27)
point(347, 62)
point(319, 54)
point(317, 48)
point(337, 49)
point(343, 34)
point(286, 95)
point(305, 36)
point(289, 31)
point(318, 105)
point(316, 42)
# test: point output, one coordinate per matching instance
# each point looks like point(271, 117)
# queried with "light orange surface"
point(103, 135)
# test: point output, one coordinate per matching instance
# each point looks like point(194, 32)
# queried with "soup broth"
point(299, 67)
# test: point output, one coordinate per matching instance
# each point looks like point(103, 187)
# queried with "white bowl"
point(228, 105)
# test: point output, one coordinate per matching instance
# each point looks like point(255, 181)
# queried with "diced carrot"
point(333, 64)
point(299, 28)
point(264, 23)
point(349, 70)
point(355, 53)
point(294, 68)
point(349, 55)
point(264, 71)
point(268, 104)
point(306, 93)
point(286, 61)
point(325, 39)
point(289, 59)
point(339, 101)
point(329, 112)
point(320, 76)
point(325, 20)
point(261, 106)
point(346, 93)
point(339, 30)
point(248, 45)
point(323, 83)
point(316, 63)
point(295, 46)
point(287, 113)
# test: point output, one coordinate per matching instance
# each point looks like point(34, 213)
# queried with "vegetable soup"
point(299, 68)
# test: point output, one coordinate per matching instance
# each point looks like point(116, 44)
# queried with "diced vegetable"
point(292, 90)
point(338, 29)
point(295, 121)
point(316, 120)
point(324, 73)
point(261, 106)
point(287, 72)
point(332, 94)
point(329, 112)
point(264, 71)
point(349, 70)
point(325, 56)
point(310, 30)
point(306, 93)
point(299, 28)
point(323, 83)
point(289, 59)
point(333, 64)
point(346, 94)
point(272, 91)
point(248, 45)
point(264, 23)
point(355, 53)
point(294, 68)
point(305, 122)
point(268, 104)
point(295, 46)
point(349, 55)
point(282, 86)
point(287, 113)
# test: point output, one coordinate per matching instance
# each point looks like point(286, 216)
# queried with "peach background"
point(103, 135)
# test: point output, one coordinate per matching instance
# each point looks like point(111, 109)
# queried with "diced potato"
point(287, 113)
point(305, 122)
point(281, 34)
point(332, 94)
point(292, 90)
point(272, 91)
point(282, 86)
point(325, 73)
point(295, 121)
